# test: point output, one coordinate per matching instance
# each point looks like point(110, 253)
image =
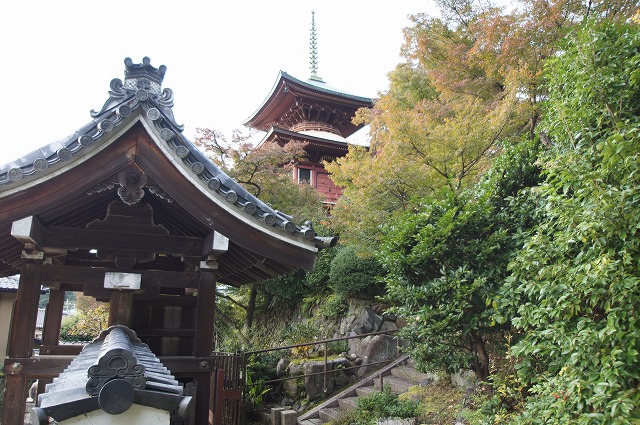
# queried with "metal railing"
point(325, 372)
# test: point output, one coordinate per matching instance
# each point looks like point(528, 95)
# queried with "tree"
point(447, 258)
point(471, 79)
point(265, 171)
point(91, 318)
point(574, 293)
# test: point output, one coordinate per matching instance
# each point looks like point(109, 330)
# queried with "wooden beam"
point(94, 277)
point(23, 322)
point(215, 244)
point(71, 238)
point(120, 308)
point(28, 230)
point(14, 400)
point(50, 366)
point(61, 350)
point(23, 326)
point(46, 367)
point(203, 394)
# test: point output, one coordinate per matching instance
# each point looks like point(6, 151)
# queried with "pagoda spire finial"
point(313, 57)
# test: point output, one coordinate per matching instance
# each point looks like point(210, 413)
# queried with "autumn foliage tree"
point(91, 317)
point(265, 170)
point(548, 264)
point(472, 79)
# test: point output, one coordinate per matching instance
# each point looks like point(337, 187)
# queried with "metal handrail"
point(325, 372)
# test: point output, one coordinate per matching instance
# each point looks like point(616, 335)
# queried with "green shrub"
point(338, 347)
point(354, 275)
point(299, 333)
point(318, 278)
point(288, 287)
point(380, 405)
point(574, 290)
point(334, 306)
point(68, 332)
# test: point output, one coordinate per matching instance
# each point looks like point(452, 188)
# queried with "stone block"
point(289, 417)
point(275, 415)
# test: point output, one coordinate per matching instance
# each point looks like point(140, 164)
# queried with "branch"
point(218, 294)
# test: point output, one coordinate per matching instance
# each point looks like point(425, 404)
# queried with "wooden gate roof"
point(133, 149)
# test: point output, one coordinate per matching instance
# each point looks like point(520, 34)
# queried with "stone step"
point(397, 385)
point(348, 404)
point(365, 391)
point(329, 414)
point(312, 421)
point(413, 375)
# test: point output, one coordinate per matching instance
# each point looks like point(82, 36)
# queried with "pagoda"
point(314, 113)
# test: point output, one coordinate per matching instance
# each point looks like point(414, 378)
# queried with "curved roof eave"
point(275, 130)
point(125, 107)
point(320, 87)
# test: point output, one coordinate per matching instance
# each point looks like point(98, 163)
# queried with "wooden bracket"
point(213, 246)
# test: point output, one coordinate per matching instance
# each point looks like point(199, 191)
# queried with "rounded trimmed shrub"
point(354, 275)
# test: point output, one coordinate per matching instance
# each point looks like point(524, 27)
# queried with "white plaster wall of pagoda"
point(139, 415)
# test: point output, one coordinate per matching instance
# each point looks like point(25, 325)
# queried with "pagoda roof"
point(72, 182)
point(289, 92)
point(328, 145)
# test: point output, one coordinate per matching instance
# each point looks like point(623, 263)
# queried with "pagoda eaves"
point(298, 105)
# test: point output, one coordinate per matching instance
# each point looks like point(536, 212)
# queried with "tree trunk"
point(251, 307)
point(482, 365)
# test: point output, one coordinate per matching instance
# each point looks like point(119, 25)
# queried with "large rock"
point(296, 369)
point(375, 349)
point(292, 388)
point(465, 379)
point(281, 368)
point(367, 322)
point(314, 384)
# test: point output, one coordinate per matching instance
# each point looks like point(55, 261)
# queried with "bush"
point(574, 291)
point(300, 333)
point(380, 405)
point(68, 331)
point(353, 275)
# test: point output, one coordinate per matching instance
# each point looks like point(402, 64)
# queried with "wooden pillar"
point(53, 318)
point(203, 341)
point(23, 327)
point(51, 329)
point(120, 308)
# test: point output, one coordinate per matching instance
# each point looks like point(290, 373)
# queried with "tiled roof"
point(141, 94)
point(112, 373)
point(9, 283)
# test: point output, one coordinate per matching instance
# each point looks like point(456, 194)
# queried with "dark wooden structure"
point(127, 210)
point(314, 113)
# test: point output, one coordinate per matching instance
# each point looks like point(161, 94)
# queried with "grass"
point(440, 403)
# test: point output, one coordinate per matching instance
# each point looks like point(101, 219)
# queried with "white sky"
point(222, 57)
